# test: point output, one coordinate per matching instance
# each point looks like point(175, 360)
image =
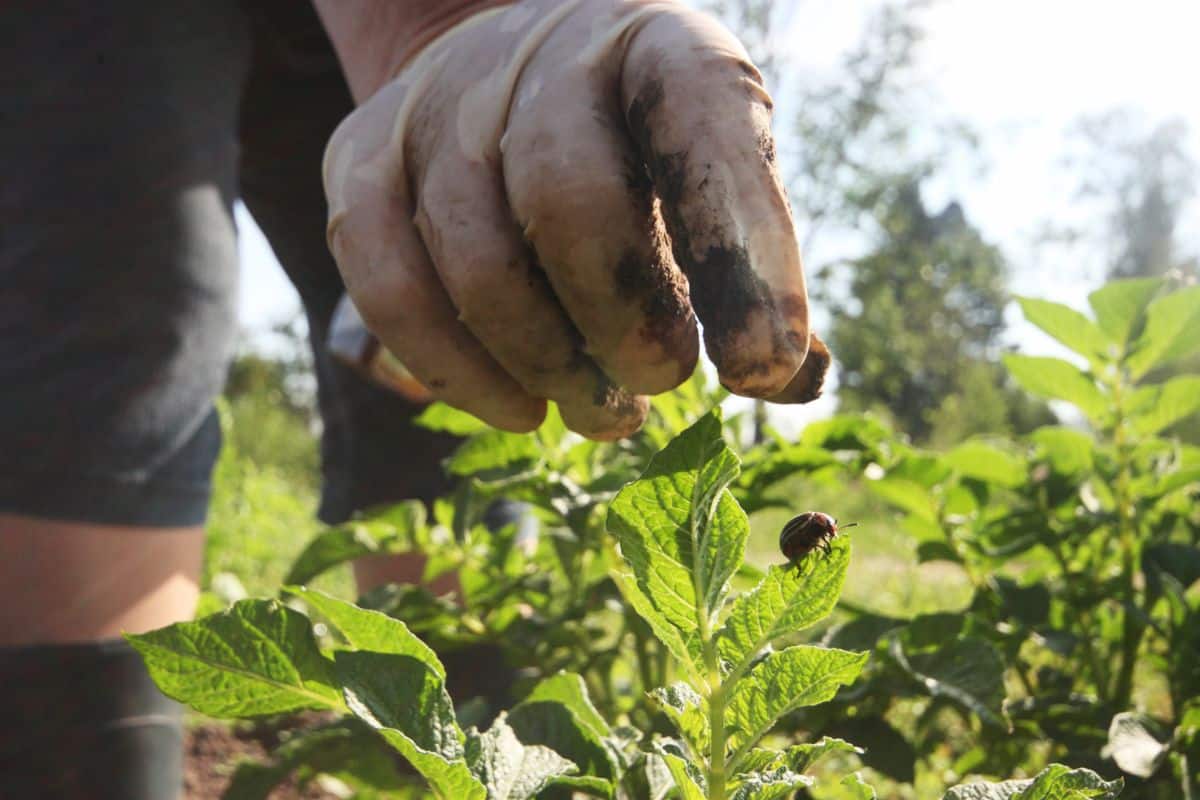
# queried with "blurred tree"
point(1144, 182)
point(921, 338)
point(918, 310)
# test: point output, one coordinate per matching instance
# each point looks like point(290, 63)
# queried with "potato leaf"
point(347, 749)
point(257, 658)
point(448, 419)
point(788, 600)
point(398, 528)
point(777, 783)
point(986, 462)
point(857, 789)
point(1055, 379)
point(968, 671)
point(1157, 407)
point(405, 700)
point(492, 450)
point(1172, 331)
point(680, 530)
point(782, 682)
point(1069, 452)
point(510, 769)
point(1068, 326)
point(688, 710)
point(1055, 782)
point(1118, 306)
point(557, 713)
point(686, 647)
point(907, 495)
point(688, 779)
point(369, 630)
point(1133, 745)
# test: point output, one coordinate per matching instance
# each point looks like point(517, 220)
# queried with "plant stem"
point(716, 760)
point(1083, 620)
point(1132, 629)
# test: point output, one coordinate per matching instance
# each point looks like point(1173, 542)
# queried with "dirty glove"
point(533, 206)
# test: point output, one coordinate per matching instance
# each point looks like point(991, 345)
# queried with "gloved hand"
point(497, 211)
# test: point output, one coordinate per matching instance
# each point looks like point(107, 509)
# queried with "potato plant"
point(737, 668)
point(1081, 546)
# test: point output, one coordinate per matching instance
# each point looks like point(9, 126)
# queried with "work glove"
point(542, 201)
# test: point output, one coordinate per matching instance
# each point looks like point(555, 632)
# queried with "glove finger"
point(503, 296)
point(697, 108)
point(808, 382)
point(583, 197)
point(395, 288)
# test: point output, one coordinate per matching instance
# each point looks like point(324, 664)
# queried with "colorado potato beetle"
point(806, 532)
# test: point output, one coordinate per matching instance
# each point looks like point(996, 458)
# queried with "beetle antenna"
point(848, 525)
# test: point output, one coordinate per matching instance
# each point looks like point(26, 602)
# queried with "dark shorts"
point(127, 131)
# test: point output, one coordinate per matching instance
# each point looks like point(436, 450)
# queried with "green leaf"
point(1119, 304)
point(1068, 326)
point(788, 600)
point(1172, 331)
point(493, 450)
point(680, 530)
point(369, 630)
point(857, 789)
point(688, 710)
point(968, 671)
point(987, 463)
point(569, 689)
point(1154, 408)
point(391, 532)
point(687, 778)
point(257, 658)
point(1055, 379)
point(1180, 561)
point(447, 419)
point(845, 432)
point(345, 748)
point(686, 648)
point(1055, 782)
point(509, 769)
point(777, 783)
point(337, 546)
point(782, 682)
point(887, 750)
point(559, 714)
point(1134, 745)
point(907, 495)
point(585, 785)
point(1069, 452)
point(937, 551)
point(924, 469)
point(406, 702)
point(801, 757)
point(1006, 790)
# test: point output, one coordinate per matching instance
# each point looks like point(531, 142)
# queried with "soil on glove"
point(212, 751)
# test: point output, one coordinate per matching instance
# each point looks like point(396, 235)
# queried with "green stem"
point(1132, 629)
point(1083, 620)
point(716, 759)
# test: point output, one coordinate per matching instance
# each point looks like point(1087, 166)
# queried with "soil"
point(212, 750)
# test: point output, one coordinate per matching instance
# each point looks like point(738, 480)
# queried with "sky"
point(1020, 72)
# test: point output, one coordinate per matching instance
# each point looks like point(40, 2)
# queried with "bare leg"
point(78, 582)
